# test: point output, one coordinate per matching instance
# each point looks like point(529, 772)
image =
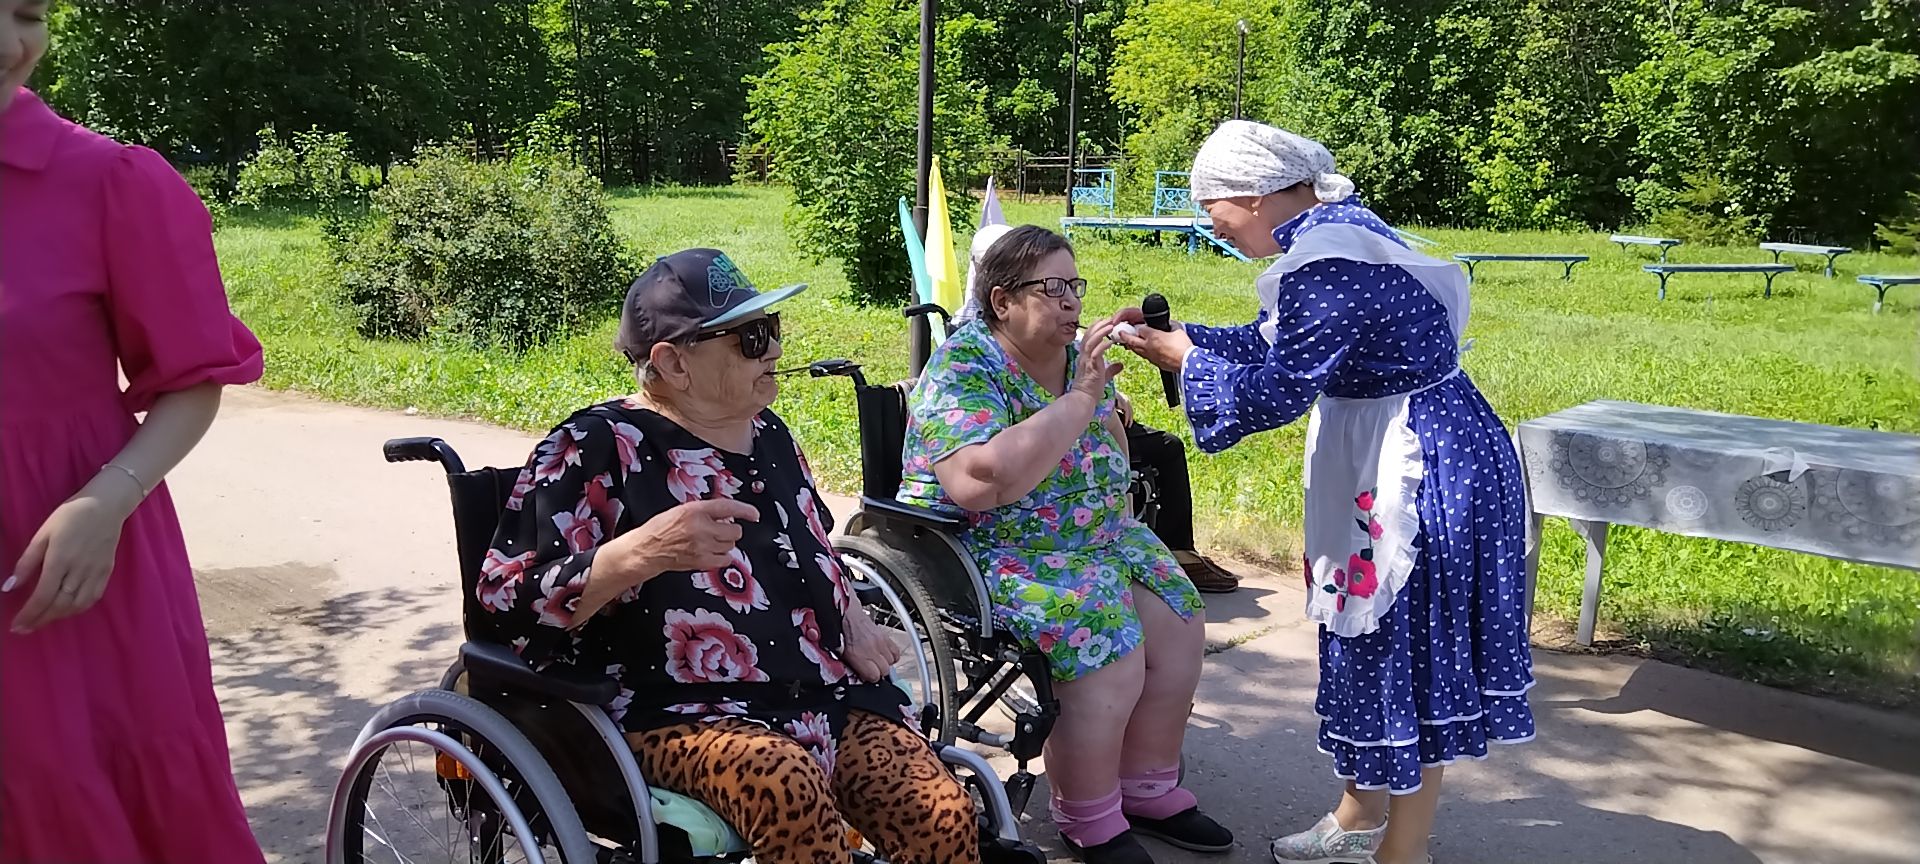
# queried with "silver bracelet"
point(145, 490)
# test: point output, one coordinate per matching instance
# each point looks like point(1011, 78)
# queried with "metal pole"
point(1073, 108)
point(920, 338)
point(1240, 71)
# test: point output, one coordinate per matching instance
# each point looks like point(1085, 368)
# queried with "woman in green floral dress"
point(1014, 427)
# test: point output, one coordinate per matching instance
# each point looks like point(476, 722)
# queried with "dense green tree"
point(836, 114)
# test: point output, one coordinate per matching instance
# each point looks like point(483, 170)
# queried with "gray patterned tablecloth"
point(1843, 493)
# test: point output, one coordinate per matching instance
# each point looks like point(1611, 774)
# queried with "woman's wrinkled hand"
point(1092, 372)
point(868, 649)
point(695, 536)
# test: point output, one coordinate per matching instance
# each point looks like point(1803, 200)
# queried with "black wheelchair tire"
point(473, 722)
point(896, 569)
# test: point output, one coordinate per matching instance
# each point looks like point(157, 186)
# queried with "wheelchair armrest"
point(887, 508)
point(499, 665)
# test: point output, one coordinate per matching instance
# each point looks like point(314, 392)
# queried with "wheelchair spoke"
point(468, 833)
point(398, 856)
point(387, 787)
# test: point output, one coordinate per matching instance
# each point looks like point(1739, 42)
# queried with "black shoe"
point(1187, 829)
point(1124, 849)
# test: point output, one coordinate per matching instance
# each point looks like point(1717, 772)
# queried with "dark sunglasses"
point(1054, 286)
point(756, 336)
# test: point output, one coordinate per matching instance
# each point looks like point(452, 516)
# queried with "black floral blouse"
point(759, 639)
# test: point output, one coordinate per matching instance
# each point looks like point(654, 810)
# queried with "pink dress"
point(111, 744)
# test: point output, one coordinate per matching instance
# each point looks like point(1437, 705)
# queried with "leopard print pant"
point(887, 784)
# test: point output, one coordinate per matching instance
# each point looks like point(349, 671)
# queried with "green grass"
point(1812, 353)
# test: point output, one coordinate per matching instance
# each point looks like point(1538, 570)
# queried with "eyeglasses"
point(756, 336)
point(1054, 286)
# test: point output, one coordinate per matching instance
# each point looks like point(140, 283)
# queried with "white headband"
point(1244, 159)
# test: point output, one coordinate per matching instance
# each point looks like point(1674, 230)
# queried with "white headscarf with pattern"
point(1244, 159)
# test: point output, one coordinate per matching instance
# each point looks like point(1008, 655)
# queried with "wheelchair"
point(969, 664)
point(500, 763)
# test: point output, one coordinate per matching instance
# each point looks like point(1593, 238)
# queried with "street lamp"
point(920, 337)
point(1073, 108)
point(1240, 71)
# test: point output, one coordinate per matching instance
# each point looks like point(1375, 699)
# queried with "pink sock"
point(1090, 823)
point(1156, 794)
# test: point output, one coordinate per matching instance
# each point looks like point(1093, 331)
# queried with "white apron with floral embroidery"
point(1364, 462)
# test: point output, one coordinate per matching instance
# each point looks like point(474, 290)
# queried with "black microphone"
point(1154, 307)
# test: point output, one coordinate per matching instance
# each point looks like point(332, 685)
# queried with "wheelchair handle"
point(924, 309)
point(837, 366)
point(423, 449)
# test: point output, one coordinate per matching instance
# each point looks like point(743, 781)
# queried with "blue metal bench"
point(1882, 283)
point(1665, 270)
point(1831, 252)
point(1093, 187)
point(1171, 195)
point(1472, 258)
point(1665, 243)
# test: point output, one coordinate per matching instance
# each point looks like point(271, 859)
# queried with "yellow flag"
point(943, 266)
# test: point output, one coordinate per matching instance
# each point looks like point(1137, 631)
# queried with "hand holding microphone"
point(1149, 332)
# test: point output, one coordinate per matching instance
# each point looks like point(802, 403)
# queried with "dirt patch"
point(235, 600)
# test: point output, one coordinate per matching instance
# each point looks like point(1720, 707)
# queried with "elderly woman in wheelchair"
point(1013, 425)
point(663, 561)
point(675, 540)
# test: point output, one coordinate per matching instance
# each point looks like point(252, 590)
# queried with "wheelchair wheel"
point(438, 776)
point(927, 658)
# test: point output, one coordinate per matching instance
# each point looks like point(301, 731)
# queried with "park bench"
point(1472, 258)
point(1665, 243)
point(1851, 494)
point(1094, 188)
point(1882, 283)
point(1831, 252)
point(1665, 270)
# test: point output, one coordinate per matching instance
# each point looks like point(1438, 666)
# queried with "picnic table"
point(1665, 243)
point(1665, 270)
point(1851, 494)
point(1882, 283)
point(1472, 258)
point(1831, 252)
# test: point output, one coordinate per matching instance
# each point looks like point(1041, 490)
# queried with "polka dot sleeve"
point(1233, 344)
point(1319, 317)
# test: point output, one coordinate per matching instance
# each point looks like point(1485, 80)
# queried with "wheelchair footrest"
point(1019, 790)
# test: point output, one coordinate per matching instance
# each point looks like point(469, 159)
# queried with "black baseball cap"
point(685, 293)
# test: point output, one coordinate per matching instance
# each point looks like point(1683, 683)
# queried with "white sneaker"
point(1327, 843)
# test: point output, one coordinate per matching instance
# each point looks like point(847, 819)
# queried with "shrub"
point(484, 252)
point(1704, 214)
point(313, 168)
point(209, 180)
point(1902, 232)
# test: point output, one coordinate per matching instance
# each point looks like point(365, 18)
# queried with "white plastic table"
point(1852, 494)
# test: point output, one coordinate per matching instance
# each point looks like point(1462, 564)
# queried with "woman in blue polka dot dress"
point(1415, 508)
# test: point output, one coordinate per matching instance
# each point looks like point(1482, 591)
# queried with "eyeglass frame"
point(766, 328)
point(1077, 285)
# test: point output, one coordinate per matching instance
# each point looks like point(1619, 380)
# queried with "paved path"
point(326, 578)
